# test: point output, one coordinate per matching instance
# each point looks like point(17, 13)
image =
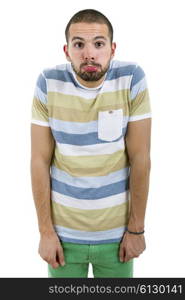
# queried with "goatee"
point(90, 76)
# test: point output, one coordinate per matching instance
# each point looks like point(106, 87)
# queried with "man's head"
point(89, 36)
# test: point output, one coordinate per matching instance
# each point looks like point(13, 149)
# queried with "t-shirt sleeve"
point(140, 107)
point(39, 111)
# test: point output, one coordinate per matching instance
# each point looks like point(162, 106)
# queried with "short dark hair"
point(89, 16)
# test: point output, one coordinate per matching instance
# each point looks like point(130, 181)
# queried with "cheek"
point(104, 55)
point(76, 59)
point(75, 55)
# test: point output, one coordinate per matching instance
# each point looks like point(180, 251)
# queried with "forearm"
point(139, 187)
point(40, 176)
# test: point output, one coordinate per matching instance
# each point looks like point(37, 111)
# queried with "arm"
point(42, 145)
point(138, 147)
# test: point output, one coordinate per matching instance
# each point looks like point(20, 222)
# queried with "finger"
point(61, 256)
point(53, 261)
point(54, 264)
point(127, 258)
point(122, 253)
point(128, 255)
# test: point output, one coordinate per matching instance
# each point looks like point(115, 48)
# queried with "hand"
point(131, 246)
point(50, 249)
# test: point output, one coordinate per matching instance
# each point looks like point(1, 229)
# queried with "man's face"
point(89, 50)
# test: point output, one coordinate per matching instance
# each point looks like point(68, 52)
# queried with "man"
point(90, 162)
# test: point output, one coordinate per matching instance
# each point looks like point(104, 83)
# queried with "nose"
point(88, 53)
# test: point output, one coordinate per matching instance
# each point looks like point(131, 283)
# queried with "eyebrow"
point(96, 38)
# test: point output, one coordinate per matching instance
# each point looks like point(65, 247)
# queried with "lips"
point(90, 68)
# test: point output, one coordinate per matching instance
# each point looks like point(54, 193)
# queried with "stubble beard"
point(90, 76)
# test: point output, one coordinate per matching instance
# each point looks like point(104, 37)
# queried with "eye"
point(99, 44)
point(78, 45)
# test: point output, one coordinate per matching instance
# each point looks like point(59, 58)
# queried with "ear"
point(113, 49)
point(65, 49)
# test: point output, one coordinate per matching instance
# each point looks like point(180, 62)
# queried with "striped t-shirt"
point(90, 166)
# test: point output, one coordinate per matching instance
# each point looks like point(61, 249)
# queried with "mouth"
point(90, 68)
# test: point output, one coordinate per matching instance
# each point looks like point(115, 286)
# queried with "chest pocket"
point(110, 123)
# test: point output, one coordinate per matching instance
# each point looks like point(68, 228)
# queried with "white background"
point(32, 38)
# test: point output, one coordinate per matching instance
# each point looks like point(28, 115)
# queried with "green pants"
point(103, 257)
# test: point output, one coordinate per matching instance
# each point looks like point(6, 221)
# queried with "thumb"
point(61, 256)
point(121, 252)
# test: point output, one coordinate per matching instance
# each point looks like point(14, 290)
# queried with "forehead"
point(88, 30)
